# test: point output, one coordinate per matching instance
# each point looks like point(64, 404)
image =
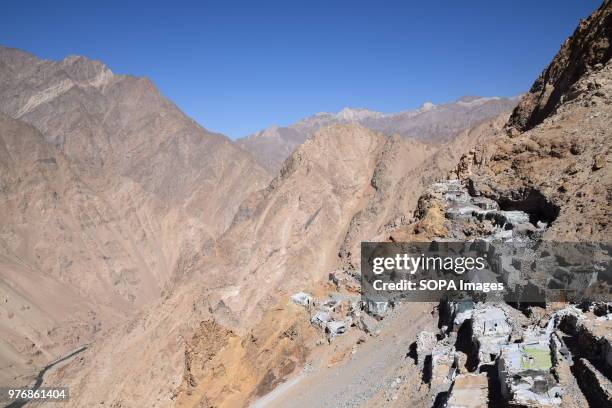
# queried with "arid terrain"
point(107, 197)
point(198, 271)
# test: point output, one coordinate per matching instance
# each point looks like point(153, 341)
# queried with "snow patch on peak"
point(356, 114)
point(427, 106)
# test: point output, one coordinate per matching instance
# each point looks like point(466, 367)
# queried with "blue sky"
point(238, 67)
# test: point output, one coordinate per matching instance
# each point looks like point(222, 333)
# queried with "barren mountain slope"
point(283, 238)
point(405, 168)
point(114, 195)
point(174, 187)
point(299, 221)
point(430, 123)
point(37, 311)
point(301, 240)
point(117, 125)
point(53, 296)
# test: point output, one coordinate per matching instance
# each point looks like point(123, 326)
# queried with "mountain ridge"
point(430, 123)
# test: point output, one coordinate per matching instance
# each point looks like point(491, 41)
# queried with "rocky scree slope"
point(282, 238)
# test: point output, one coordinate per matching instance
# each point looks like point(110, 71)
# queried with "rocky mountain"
point(556, 164)
point(241, 335)
point(343, 184)
point(430, 123)
point(121, 126)
point(268, 312)
point(405, 169)
point(588, 49)
point(298, 221)
point(108, 193)
point(554, 175)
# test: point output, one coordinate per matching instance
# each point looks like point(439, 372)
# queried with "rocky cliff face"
point(588, 49)
point(430, 123)
point(558, 171)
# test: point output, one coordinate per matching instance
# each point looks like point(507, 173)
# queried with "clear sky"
point(238, 67)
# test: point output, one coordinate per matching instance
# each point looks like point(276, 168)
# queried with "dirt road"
point(372, 375)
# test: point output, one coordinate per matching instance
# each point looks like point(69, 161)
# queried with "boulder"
point(302, 299)
point(599, 162)
point(368, 324)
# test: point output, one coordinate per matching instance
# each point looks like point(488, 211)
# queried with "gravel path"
point(372, 369)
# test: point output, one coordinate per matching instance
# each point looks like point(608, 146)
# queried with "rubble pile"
point(335, 314)
point(521, 357)
point(496, 354)
point(476, 216)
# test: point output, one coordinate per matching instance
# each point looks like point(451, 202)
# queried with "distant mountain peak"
point(426, 106)
point(356, 114)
